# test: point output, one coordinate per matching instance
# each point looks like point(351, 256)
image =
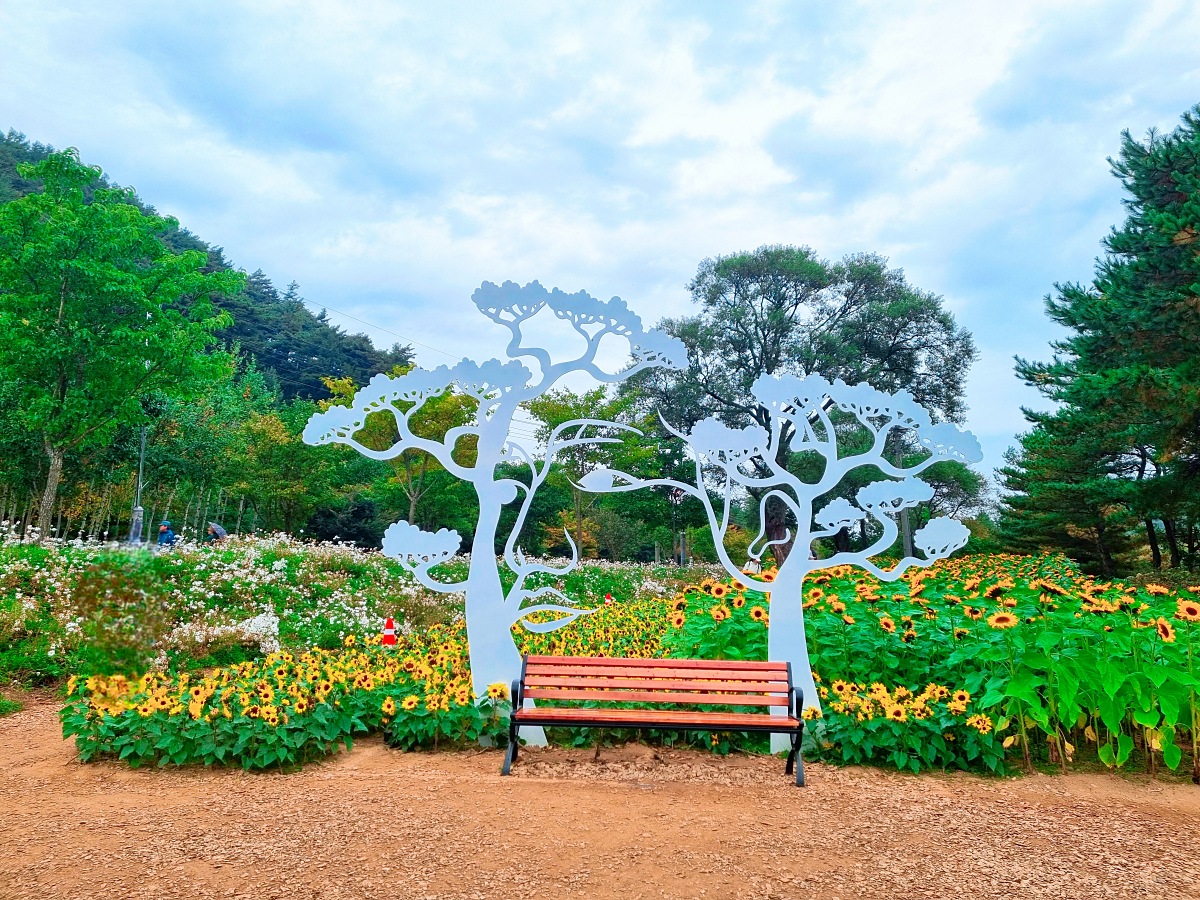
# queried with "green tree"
point(96, 311)
point(412, 468)
point(1062, 492)
point(1129, 372)
point(783, 310)
point(557, 407)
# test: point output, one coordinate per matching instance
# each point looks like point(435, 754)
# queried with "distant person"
point(216, 533)
point(752, 566)
point(166, 537)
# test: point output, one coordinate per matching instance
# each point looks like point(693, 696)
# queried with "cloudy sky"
point(390, 156)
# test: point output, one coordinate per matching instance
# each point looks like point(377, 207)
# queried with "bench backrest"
point(689, 681)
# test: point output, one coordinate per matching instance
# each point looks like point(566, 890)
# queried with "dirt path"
point(375, 823)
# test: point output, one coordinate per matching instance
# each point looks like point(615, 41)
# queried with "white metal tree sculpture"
point(499, 389)
point(729, 460)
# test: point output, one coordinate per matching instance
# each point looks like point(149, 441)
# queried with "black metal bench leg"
point(510, 755)
point(794, 758)
point(798, 757)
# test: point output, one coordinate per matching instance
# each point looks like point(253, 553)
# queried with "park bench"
point(667, 690)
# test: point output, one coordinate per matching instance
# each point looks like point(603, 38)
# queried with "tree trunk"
point(50, 495)
point(1107, 566)
point(1152, 537)
point(775, 522)
point(1172, 542)
point(786, 640)
point(578, 520)
point(841, 540)
point(906, 532)
point(27, 521)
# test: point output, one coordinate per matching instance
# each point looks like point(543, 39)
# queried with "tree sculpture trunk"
point(494, 656)
point(46, 510)
point(785, 638)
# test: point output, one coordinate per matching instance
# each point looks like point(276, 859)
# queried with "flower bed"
point(985, 662)
point(286, 709)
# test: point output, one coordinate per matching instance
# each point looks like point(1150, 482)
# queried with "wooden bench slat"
point(648, 717)
point(603, 696)
point(709, 674)
point(678, 684)
point(739, 664)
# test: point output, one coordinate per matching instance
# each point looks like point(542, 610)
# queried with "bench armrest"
point(798, 702)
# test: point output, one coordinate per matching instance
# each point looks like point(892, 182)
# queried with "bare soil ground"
point(376, 823)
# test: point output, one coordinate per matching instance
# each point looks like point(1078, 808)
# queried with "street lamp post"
point(135, 524)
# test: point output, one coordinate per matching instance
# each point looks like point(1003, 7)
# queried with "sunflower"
point(409, 703)
point(1157, 590)
point(678, 620)
point(973, 613)
point(840, 687)
point(720, 591)
point(897, 713)
point(768, 577)
point(348, 641)
point(388, 707)
point(980, 723)
point(497, 691)
point(720, 612)
point(1166, 630)
point(961, 697)
point(1002, 620)
point(887, 625)
point(738, 601)
point(679, 605)
point(908, 637)
point(758, 614)
point(1188, 610)
point(849, 620)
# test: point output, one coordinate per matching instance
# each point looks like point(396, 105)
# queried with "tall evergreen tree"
point(1129, 371)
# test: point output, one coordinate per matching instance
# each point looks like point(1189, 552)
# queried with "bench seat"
point(753, 696)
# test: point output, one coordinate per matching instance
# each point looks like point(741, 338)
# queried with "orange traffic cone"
point(389, 633)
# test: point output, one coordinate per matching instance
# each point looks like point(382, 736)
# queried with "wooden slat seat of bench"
point(751, 695)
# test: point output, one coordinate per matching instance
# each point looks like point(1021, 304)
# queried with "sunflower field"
point(988, 662)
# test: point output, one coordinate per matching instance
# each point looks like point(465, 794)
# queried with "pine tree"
point(1128, 375)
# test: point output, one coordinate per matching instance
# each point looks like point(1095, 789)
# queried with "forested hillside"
point(292, 346)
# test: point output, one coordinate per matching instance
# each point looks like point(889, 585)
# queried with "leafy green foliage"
point(96, 310)
point(978, 658)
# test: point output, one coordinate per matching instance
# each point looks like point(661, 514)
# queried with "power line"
point(385, 330)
